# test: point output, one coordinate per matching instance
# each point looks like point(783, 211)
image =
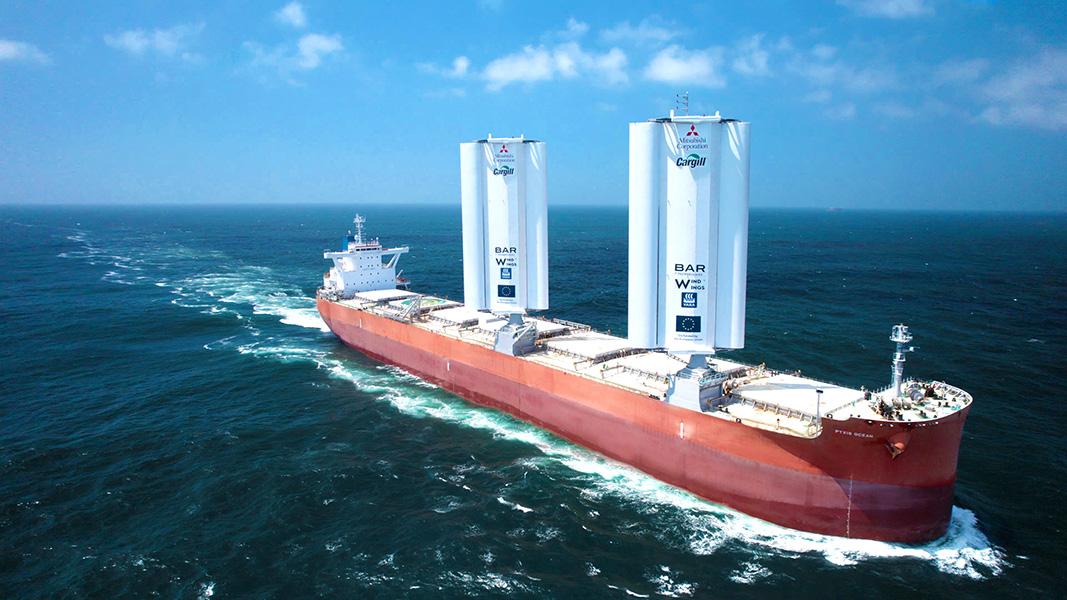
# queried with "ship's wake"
point(228, 287)
point(231, 291)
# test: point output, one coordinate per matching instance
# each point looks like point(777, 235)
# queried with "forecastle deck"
point(760, 445)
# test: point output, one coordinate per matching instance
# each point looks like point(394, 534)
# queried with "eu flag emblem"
point(686, 324)
point(505, 291)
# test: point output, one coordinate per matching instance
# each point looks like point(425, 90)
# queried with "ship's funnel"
point(688, 233)
point(505, 224)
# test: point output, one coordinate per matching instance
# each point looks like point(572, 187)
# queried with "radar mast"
point(901, 337)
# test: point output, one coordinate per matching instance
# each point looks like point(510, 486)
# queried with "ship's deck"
point(753, 395)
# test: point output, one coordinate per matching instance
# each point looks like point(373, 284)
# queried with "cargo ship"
point(874, 464)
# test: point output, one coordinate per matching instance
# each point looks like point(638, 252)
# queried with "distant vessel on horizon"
point(810, 455)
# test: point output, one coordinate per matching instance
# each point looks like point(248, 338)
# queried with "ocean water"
point(176, 422)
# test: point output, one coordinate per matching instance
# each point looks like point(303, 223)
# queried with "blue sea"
point(176, 422)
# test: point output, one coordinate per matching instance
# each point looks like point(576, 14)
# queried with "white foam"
point(629, 592)
point(680, 517)
point(216, 292)
point(113, 277)
point(705, 527)
point(252, 286)
point(749, 573)
point(514, 505)
point(964, 551)
point(305, 317)
point(667, 586)
point(488, 581)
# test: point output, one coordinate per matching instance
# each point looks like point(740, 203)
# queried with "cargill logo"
point(506, 170)
point(692, 161)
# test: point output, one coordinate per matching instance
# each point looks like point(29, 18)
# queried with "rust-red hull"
point(843, 482)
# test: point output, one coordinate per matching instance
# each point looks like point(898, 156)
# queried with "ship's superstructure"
point(877, 464)
point(358, 267)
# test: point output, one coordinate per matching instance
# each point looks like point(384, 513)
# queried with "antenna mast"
point(682, 102)
point(359, 229)
point(901, 337)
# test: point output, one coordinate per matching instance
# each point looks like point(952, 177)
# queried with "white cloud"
point(170, 42)
point(22, 52)
point(824, 74)
point(611, 67)
point(447, 93)
point(868, 79)
point(824, 51)
point(566, 60)
point(961, 71)
point(529, 66)
point(1033, 92)
point(313, 46)
point(307, 54)
point(895, 110)
point(460, 67)
point(292, 14)
point(646, 33)
point(890, 9)
point(608, 68)
point(752, 57)
point(575, 29)
point(677, 65)
point(841, 112)
point(819, 96)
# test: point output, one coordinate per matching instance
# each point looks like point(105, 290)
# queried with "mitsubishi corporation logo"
point(503, 155)
point(692, 140)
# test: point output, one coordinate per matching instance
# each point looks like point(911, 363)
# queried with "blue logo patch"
point(505, 291)
point(505, 273)
point(687, 324)
point(689, 299)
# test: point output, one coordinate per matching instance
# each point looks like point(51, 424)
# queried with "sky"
point(859, 104)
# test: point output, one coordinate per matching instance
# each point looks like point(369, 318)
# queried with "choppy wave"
point(703, 527)
point(246, 291)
